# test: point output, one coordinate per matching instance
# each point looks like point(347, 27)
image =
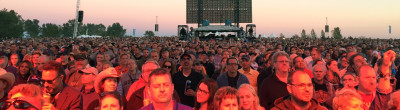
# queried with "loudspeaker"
point(80, 16)
point(156, 28)
point(326, 28)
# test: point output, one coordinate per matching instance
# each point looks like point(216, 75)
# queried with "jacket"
point(177, 106)
point(222, 80)
point(69, 99)
point(284, 103)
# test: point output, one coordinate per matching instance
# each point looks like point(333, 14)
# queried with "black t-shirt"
point(179, 81)
point(321, 92)
point(233, 81)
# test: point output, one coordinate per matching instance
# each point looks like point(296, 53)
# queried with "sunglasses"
point(18, 104)
point(167, 66)
point(125, 49)
point(49, 81)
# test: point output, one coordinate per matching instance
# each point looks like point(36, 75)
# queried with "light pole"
point(76, 19)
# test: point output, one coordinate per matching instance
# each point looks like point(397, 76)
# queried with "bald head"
point(41, 61)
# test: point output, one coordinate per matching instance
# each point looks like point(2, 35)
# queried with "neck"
point(246, 69)
point(232, 74)
point(164, 106)
point(364, 91)
point(186, 71)
point(282, 76)
point(89, 85)
point(203, 106)
point(300, 104)
point(319, 81)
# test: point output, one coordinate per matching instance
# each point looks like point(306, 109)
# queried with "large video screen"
point(217, 11)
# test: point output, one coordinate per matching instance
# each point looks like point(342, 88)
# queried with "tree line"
point(12, 25)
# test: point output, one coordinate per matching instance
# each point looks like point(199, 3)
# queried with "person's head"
point(88, 75)
point(300, 86)
point(170, 66)
point(99, 57)
point(226, 98)
point(248, 98)
point(14, 59)
point(154, 55)
point(111, 101)
point(160, 86)
point(99, 65)
point(106, 81)
point(319, 72)
point(205, 92)
point(25, 68)
point(27, 96)
point(344, 62)
point(3, 61)
point(245, 62)
point(186, 61)
point(164, 54)
point(41, 61)
point(280, 62)
point(35, 57)
point(331, 65)
point(147, 68)
point(394, 102)
point(123, 59)
point(107, 57)
point(367, 79)
point(106, 64)
point(80, 61)
point(145, 53)
point(197, 66)
point(298, 63)
point(347, 99)
point(132, 65)
point(225, 54)
point(349, 80)
point(53, 76)
point(7, 79)
point(356, 61)
point(232, 65)
point(316, 54)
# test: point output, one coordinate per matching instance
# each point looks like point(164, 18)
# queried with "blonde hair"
point(343, 96)
point(256, 104)
point(29, 90)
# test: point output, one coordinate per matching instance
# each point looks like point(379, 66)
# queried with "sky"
point(369, 18)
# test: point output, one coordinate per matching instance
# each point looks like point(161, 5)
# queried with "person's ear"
point(289, 88)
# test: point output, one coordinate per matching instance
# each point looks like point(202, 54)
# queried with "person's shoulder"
point(183, 107)
point(148, 107)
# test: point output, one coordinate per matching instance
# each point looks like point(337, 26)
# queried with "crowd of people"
point(163, 73)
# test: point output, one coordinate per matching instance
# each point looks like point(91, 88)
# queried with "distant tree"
point(281, 35)
point(11, 24)
point(51, 30)
point(336, 33)
point(95, 29)
point(295, 36)
point(32, 27)
point(68, 28)
point(303, 34)
point(116, 30)
point(148, 33)
point(313, 35)
point(323, 34)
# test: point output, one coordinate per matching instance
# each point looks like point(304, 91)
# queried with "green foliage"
point(51, 30)
point(148, 33)
point(11, 24)
point(281, 36)
point(303, 34)
point(313, 35)
point(95, 29)
point(115, 30)
point(68, 28)
point(336, 33)
point(323, 34)
point(32, 27)
point(295, 36)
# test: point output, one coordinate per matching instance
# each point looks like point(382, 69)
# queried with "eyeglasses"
point(183, 59)
point(167, 66)
point(124, 49)
point(18, 104)
point(231, 64)
point(303, 86)
point(49, 81)
point(202, 91)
